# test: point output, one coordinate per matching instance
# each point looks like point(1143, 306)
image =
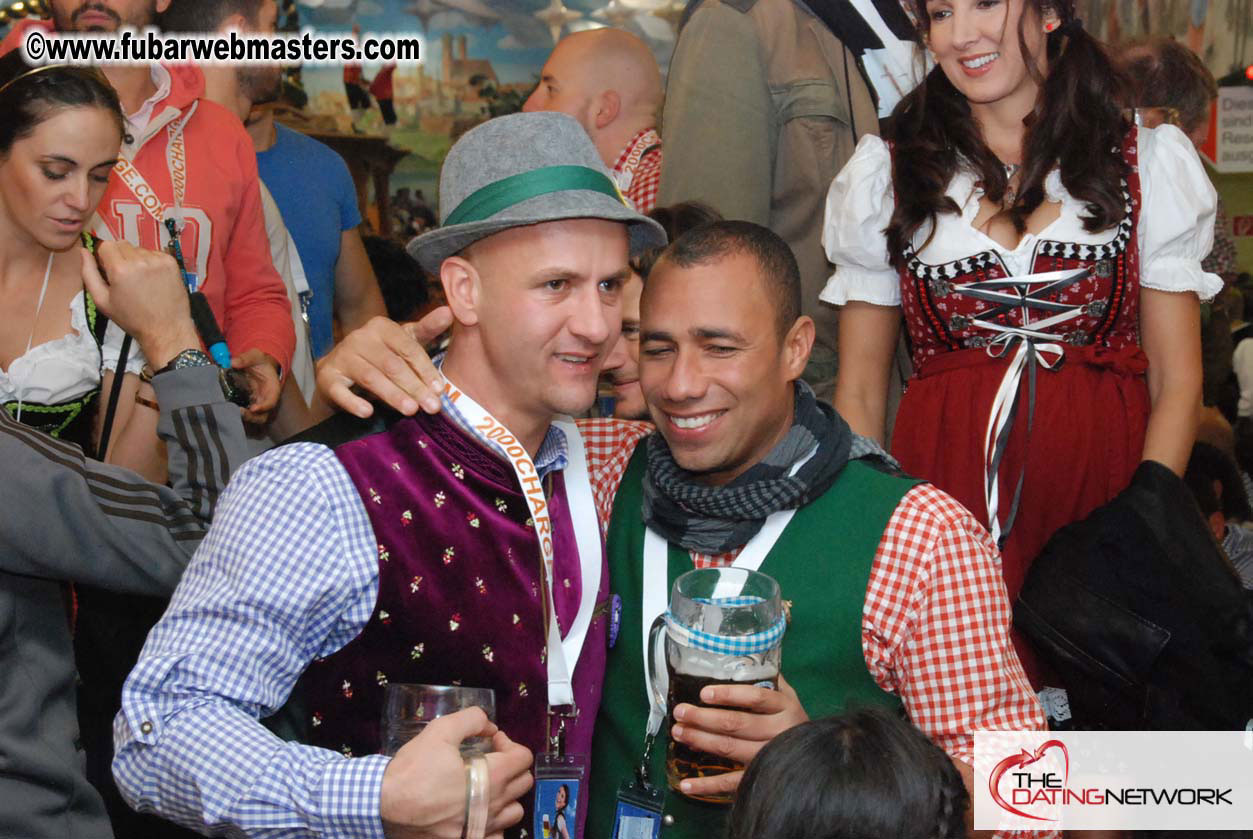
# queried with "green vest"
point(833, 540)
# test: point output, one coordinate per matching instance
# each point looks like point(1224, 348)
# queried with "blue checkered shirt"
point(288, 572)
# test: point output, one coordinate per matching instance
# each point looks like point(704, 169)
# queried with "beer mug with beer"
point(723, 626)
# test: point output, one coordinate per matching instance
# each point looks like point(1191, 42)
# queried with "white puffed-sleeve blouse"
point(1176, 223)
point(66, 367)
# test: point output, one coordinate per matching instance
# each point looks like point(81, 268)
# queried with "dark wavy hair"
point(27, 100)
point(1078, 123)
point(862, 773)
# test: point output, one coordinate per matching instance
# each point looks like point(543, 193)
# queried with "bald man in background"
point(609, 81)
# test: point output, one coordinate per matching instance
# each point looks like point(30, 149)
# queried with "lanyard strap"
point(562, 654)
point(176, 163)
point(39, 305)
point(648, 141)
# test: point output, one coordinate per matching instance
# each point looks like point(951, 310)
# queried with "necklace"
point(1011, 191)
point(35, 320)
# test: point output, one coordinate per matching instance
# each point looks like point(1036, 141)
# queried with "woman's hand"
point(142, 292)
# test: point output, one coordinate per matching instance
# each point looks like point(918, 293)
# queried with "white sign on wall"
point(1229, 147)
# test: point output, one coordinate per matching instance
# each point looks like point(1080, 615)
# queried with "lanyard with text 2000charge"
point(562, 654)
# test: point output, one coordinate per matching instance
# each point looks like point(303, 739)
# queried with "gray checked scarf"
point(717, 519)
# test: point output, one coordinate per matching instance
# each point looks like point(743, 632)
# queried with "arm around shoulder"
point(106, 525)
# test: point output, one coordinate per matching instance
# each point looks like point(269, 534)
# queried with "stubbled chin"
point(572, 400)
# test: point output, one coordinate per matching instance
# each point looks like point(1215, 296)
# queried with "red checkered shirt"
point(638, 170)
point(935, 627)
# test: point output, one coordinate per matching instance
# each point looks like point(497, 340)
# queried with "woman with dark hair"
point(60, 132)
point(1046, 256)
point(863, 773)
point(561, 827)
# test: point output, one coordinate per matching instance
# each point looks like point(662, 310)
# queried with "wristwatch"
point(233, 382)
point(185, 359)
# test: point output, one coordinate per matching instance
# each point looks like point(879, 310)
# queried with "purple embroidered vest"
point(459, 599)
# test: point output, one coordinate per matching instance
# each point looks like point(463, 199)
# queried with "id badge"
point(638, 815)
point(557, 783)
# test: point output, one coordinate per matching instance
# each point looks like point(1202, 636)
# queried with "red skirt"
point(1086, 440)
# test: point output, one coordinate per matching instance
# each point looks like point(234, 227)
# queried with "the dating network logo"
point(1113, 780)
point(1035, 785)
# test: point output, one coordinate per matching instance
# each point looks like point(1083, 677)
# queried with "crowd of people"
point(261, 467)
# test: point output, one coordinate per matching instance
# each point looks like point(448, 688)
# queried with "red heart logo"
point(1025, 758)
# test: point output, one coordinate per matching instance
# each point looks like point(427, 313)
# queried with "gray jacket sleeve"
point(718, 122)
point(67, 517)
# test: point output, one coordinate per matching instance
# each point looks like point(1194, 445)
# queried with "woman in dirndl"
point(1045, 255)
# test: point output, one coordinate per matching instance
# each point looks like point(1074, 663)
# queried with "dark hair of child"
point(862, 774)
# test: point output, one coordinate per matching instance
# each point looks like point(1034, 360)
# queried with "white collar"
point(138, 121)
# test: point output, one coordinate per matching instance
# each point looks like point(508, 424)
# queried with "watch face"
point(191, 358)
point(187, 358)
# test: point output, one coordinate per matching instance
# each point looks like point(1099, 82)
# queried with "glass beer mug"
point(723, 626)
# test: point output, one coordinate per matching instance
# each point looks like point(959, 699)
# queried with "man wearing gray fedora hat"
point(461, 548)
point(894, 588)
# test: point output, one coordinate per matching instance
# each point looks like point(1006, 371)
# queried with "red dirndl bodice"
point(1080, 443)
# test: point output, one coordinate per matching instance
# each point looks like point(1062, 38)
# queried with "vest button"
point(667, 820)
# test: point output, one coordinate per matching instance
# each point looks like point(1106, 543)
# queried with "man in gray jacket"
point(69, 519)
point(764, 104)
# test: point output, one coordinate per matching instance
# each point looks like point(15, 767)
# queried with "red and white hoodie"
point(223, 235)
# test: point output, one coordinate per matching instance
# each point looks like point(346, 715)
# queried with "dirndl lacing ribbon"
point(1033, 346)
point(758, 642)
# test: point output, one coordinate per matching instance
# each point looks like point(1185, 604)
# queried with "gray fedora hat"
point(524, 169)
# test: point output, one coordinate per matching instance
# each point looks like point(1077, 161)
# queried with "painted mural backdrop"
point(481, 58)
point(1217, 30)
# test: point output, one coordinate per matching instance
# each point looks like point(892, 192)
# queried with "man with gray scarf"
point(895, 589)
point(893, 586)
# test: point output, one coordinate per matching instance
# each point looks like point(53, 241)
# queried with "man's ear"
point(162, 6)
point(608, 106)
point(237, 21)
point(797, 344)
point(462, 288)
